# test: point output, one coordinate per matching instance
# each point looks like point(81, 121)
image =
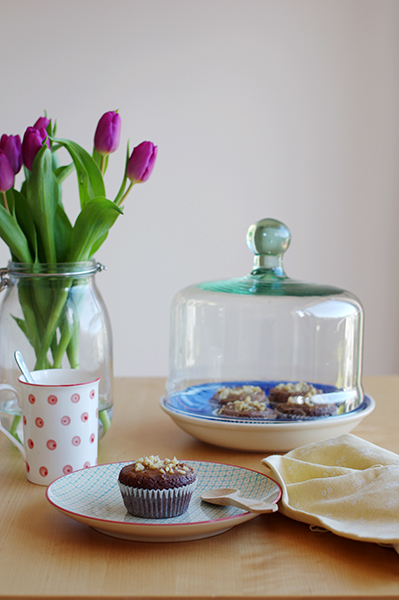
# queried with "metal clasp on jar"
point(4, 279)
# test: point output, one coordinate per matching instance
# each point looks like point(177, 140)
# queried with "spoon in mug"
point(19, 359)
point(231, 496)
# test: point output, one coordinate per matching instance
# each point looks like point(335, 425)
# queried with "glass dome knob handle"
point(268, 239)
point(268, 236)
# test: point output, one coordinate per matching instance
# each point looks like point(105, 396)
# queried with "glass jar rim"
point(75, 269)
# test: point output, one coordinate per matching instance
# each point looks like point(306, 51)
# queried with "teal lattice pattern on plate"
point(94, 494)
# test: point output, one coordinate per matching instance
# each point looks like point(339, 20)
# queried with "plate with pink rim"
point(92, 497)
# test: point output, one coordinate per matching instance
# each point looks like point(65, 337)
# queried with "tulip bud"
point(108, 132)
point(11, 146)
point(141, 163)
point(31, 144)
point(6, 173)
point(42, 123)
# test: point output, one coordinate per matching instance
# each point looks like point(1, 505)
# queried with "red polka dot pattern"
point(61, 431)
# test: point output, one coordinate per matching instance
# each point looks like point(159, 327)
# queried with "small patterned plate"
point(91, 496)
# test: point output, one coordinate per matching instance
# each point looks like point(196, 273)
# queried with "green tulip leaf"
point(24, 217)
point(94, 221)
point(14, 237)
point(63, 234)
point(97, 158)
point(10, 200)
point(62, 173)
point(90, 181)
point(22, 325)
point(98, 243)
point(42, 194)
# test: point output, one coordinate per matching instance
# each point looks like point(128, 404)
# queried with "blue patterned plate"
point(265, 436)
point(91, 496)
point(195, 401)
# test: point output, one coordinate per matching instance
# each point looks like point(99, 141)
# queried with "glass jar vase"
point(55, 316)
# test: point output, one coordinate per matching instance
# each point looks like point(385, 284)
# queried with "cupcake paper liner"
point(157, 504)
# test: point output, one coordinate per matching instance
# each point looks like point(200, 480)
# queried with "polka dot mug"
point(60, 422)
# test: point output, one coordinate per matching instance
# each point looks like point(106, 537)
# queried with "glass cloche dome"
point(266, 346)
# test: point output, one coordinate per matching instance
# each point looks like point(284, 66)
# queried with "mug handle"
point(17, 444)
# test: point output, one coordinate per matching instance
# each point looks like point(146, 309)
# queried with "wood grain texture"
point(44, 554)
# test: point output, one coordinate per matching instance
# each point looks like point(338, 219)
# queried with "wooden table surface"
point(44, 554)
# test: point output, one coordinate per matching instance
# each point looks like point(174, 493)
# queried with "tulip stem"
point(104, 163)
point(125, 194)
point(5, 201)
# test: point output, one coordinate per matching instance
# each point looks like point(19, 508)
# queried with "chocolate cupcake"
point(156, 488)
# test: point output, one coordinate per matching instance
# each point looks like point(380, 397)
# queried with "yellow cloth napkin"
point(345, 484)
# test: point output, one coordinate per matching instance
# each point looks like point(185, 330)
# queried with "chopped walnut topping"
point(165, 465)
point(225, 392)
point(247, 404)
point(307, 390)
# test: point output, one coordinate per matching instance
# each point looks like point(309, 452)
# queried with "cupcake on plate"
point(156, 488)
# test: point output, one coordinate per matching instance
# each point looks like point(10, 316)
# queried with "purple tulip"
point(141, 163)
point(42, 123)
point(6, 173)
point(31, 144)
point(108, 133)
point(11, 146)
